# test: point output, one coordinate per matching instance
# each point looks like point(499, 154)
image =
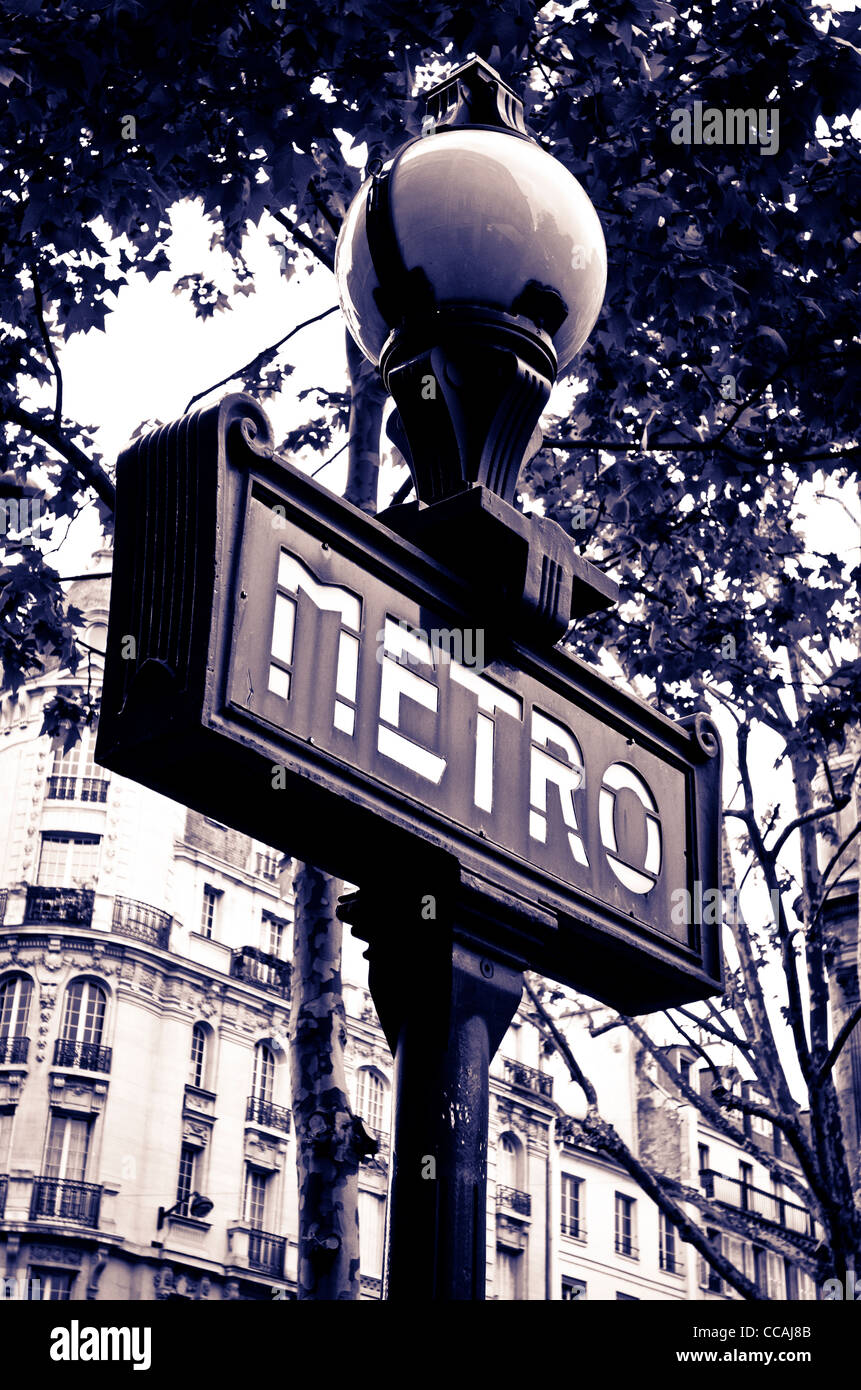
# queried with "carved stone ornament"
point(56, 1255)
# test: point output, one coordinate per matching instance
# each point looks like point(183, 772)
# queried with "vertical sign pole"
point(445, 1007)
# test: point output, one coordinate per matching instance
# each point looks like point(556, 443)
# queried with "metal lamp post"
point(523, 812)
point(471, 268)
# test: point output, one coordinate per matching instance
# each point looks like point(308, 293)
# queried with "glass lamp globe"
point(484, 214)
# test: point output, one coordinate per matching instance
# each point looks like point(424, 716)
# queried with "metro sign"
point(299, 671)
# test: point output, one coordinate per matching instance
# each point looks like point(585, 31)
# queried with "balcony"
point(84, 1056)
point(266, 864)
point(266, 1252)
point(77, 789)
point(141, 922)
point(60, 1199)
point(13, 1050)
point(765, 1206)
point(510, 1197)
point(71, 907)
point(258, 968)
point(263, 1112)
point(528, 1078)
point(4, 1188)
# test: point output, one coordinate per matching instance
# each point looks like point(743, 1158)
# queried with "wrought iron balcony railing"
point(4, 1188)
point(77, 789)
point(574, 1228)
point(259, 968)
point(61, 1199)
point(266, 864)
point(670, 1264)
point(263, 1112)
point(141, 922)
point(70, 906)
point(626, 1246)
point(765, 1206)
point(266, 1252)
point(14, 1049)
point(528, 1078)
point(517, 1201)
point(86, 1056)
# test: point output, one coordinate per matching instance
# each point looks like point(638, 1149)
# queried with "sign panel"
point(305, 675)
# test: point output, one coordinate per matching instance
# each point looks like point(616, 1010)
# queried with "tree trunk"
point(327, 1152)
point(329, 1142)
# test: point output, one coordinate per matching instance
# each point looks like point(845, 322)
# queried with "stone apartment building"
point(146, 1144)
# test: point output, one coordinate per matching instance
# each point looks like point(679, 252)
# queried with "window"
point(68, 861)
point(626, 1297)
point(6, 1119)
point(709, 1277)
point(49, 1284)
point(509, 1267)
point(509, 1167)
point(210, 911)
point(273, 935)
point(16, 992)
point(625, 1226)
point(74, 775)
point(255, 1199)
point(572, 1214)
point(186, 1182)
point(572, 1289)
point(790, 1279)
point(84, 1013)
point(668, 1256)
point(372, 1214)
point(370, 1098)
point(704, 1155)
point(760, 1269)
point(66, 1149)
point(263, 1077)
point(745, 1173)
point(197, 1073)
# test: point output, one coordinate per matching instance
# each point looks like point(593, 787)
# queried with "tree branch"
point(49, 346)
point(824, 885)
point(699, 446)
point(303, 239)
point(240, 372)
point(816, 814)
point(88, 470)
point(840, 1041)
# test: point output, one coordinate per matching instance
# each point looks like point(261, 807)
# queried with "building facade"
point(146, 1141)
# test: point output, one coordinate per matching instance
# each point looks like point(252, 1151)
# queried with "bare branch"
point(726, 1034)
point(607, 1138)
point(824, 885)
point(240, 372)
point(840, 1041)
point(816, 814)
point(570, 1060)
